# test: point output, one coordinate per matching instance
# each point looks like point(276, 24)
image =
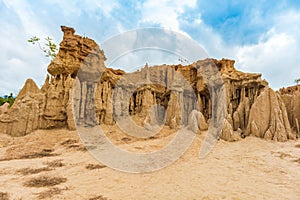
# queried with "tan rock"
point(81, 89)
point(268, 117)
point(236, 121)
point(4, 108)
point(297, 126)
point(51, 107)
point(22, 118)
point(197, 122)
point(228, 134)
point(268, 135)
point(254, 129)
point(291, 99)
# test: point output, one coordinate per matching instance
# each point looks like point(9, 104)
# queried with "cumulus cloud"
point(91, 7)
point(165, 12)
point(26, 16)
point(276, 54)
point(21, 20)
point(150, 45)
point(19, 60)
point(260, 36)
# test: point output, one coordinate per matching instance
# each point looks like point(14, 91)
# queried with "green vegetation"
point(297, 81)
point(49, 48)
point(7, 98)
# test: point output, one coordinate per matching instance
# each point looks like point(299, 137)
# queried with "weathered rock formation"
point(291, 99)
point(205, 93)
point(22, 117)
point(50, 106)
point(268, 117)
point(197, 122)
point(4, 108)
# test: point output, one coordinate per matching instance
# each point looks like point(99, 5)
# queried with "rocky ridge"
point(80, 87)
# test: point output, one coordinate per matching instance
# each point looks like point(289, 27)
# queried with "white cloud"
point(76, 7)
point(276, 55)
point(19, 59)
point(212, 42)
point(152, 45)
point(164, 12)
point(27, 17)
point(275, 58)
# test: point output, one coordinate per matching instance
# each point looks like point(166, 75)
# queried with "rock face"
point(268, 117)
point(228, 134)
point(23, 117)
point(4, 108)
point(50, 106)
point(205, 93)
point(197, 122)
point(291, 99)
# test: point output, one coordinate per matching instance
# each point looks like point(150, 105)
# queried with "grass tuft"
point(44, 181)
point(94, 166)
point(50, 193)
point(100, 197)
point(4, 196)
point(43, 153)
point(27, 171)
point(55, 163)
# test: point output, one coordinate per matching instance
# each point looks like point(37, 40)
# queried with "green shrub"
point(7, 98)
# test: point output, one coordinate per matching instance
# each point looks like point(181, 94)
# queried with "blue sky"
point(262, 36)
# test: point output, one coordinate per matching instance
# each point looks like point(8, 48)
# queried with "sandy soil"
point(53, 164)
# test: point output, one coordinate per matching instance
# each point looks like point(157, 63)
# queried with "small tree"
point(7, 99)
point(49, 48)
point(297, 81)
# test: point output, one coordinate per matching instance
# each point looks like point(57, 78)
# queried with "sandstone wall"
point(291, 99)
point(200, 93)
point(268, 117)
point(50, 106)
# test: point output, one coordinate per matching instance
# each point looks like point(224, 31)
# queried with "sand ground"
point(53, 164)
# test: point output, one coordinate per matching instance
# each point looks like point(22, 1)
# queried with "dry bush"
point(82, 149)
point(55, 163)
point(100, 197)
point(281, 155)
point(4, 196)
point(43, 153)
point(77, 147)
point(32, 155)
point(72, 144)
point(68, 142)
point(297, 161)
point(126, 139)
point(44, 181)
point(50, 193)
point(27, 171)
point(284, 155)
point(94, 166)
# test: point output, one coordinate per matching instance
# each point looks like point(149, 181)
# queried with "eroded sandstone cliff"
point(80, 87)
point(291, 99)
